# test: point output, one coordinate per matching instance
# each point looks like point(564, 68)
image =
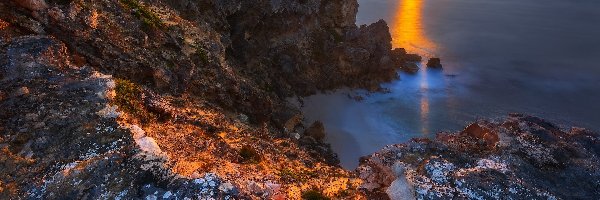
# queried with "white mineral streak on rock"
point(109, 112)
point(400, 189)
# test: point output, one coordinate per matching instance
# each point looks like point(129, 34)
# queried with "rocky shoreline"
point(519, 157)
point(150, 99)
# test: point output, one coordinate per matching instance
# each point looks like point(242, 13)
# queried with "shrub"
point(202, 54)
point(149, 18)
point(314, 195)
point(249, 155)
point(129, 99)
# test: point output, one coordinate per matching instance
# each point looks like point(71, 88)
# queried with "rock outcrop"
point(434, 63)
point(143, 99)
point(521, 157)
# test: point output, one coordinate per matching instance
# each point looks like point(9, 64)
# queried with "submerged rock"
point(521, 157)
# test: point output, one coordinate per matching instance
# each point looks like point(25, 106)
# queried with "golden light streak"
point(408, 32)
point(407, 28)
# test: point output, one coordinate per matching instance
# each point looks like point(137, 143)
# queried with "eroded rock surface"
point(143, 99)
point(520, 157)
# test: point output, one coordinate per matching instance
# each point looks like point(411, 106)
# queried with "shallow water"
point(539, 57)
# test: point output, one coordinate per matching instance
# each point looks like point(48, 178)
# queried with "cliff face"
point(520, 157)
point(260, 51)
point(133, 99)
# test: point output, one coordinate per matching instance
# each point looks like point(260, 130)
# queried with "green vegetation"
point(149, 18)
point(202, 54)
point(314, 195)
point(249, 155)
point(129, 99)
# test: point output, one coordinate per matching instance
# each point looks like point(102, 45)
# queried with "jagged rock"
point(434, 63)
point(406, 62)
point(530, 159)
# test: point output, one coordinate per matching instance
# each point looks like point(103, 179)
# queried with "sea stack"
point(434, 63)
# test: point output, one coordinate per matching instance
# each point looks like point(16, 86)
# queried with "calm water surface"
point(540, 57)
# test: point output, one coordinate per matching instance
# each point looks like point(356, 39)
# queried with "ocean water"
point(538, 57)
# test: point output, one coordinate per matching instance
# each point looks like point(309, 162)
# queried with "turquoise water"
point(540, 57)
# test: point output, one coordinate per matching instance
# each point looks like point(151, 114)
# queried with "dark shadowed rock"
point(434, 63)
point(34, 5)
point(316, 131)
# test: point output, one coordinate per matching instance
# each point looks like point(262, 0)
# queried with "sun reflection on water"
point(407, 28)
point(408, 32)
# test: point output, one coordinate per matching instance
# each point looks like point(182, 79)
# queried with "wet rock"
point(434, 63)
point(410, 68)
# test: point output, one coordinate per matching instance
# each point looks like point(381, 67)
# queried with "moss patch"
point(249, 155)
point(149, 18)
point(314, 195)
point(129, 99)
point(202, 54)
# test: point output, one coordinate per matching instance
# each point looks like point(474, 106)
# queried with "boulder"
point(434, 63)
point(482, 133)
point(316, 131)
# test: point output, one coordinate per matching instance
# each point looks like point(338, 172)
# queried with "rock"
point(109, 112)
point(226, 187)
point(410, 68)
point(138, 133)
point(400, 189)
point(22, 91)
point(482, 133)
point(434, 63)
point(413, 58)
point(316, 131)
point(520, 157)
point(56, 14)
point(148, 145)
point(33, 5)
point(243, 118)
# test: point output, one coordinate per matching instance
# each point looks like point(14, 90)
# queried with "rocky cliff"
point(171, 99)
point(148, 99)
